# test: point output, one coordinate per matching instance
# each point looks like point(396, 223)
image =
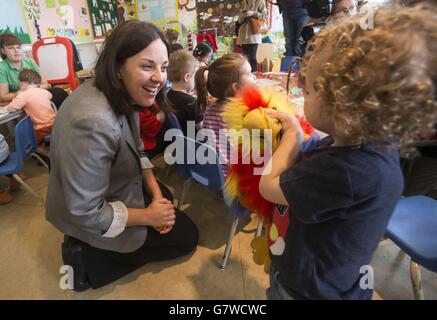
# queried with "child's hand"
point(290, 124)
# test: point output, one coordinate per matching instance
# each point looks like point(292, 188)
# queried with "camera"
point(317, 9)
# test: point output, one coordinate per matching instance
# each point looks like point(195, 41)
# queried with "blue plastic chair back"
point(172, 122)
point(413, 227)
point(25, 140)
point(202, 163)
point(287, 60)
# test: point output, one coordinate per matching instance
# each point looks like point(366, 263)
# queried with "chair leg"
point(24, 184)
point(260, 226)
point(416, 280)
point(40, 160)
point(229, 244)
point(185, 188)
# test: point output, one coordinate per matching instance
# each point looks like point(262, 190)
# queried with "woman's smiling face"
point(145, 73)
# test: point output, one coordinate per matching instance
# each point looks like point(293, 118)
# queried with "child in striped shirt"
point(223, 79)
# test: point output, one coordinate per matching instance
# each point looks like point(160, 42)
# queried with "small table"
point(9, 119)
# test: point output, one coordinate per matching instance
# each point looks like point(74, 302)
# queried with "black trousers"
point(103, 267)
point(250, 52)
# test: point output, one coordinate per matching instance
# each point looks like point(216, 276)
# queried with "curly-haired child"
point(373, 91)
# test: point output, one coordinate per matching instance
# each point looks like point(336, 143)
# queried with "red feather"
point(253, 98)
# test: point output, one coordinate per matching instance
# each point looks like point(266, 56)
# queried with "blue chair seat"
point(413, 227)
point(12, 164)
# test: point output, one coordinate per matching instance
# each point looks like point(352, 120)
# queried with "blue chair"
point(288, 62)
point(172, 122)
point(25, 144)
point(413, 228)
point(211, 176)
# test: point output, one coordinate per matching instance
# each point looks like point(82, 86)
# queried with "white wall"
point(88, 54)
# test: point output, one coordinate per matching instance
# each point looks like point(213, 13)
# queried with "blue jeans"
point(293, 20)
point(276, 291)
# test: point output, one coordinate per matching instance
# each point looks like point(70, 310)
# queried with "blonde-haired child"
point(371, 90)
point(181, 72)
point(224, 78)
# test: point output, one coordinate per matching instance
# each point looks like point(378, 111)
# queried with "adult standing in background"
point(294, 18)
point(247, 38)
point(13, 62)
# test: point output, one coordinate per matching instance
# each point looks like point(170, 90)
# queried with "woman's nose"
point(157, 75)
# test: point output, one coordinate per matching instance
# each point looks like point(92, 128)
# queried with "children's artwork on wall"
point(103, 15)
point(65, 18)
point(220, 14)
point(127, 10)
point(12, 21)
point(172, 25)
point(158, 11)
point(187, 14)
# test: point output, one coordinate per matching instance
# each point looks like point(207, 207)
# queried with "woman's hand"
point(161, 213)
point(290, 125)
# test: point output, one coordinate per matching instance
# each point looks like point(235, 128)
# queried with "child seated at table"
point(35, 102)
point(181, 72)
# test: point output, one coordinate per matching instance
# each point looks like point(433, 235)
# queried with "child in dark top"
point(181, 71)
point(371, 93)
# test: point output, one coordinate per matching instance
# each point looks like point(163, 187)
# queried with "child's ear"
point(186, 77)
point(235, 87)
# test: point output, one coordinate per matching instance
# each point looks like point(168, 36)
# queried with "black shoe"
point(72, 256)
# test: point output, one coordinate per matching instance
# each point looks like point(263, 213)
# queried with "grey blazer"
point(95, 160)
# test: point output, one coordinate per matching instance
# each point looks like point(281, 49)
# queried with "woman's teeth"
point(151, 91)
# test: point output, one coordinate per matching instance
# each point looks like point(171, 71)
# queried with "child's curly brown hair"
point(380, 83)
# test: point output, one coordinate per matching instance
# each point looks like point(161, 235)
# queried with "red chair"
point(54, 56)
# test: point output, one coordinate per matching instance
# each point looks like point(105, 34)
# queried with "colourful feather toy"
point(249, 110)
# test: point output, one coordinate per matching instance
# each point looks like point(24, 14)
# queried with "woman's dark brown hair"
point(8, 39)
point(125, 41)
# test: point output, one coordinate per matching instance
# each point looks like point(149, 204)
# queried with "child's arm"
point(283, 158)
point(17, 103)
point(152, 184)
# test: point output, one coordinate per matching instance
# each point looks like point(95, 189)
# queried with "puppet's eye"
point(274, 108)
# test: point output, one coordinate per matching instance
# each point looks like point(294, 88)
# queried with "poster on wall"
point(103, 15)
point(220, 14)
point(187, 14)
point(172, 25)
point(12, 21)
point(65, 18)
point(158, 11)
point(127, 10)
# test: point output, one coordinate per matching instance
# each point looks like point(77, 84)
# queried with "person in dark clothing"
point(181, 72)
point(294, 18)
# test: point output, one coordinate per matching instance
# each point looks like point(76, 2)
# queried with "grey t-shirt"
point(4, 148)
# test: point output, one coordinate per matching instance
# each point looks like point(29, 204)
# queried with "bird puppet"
point(245, 113)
